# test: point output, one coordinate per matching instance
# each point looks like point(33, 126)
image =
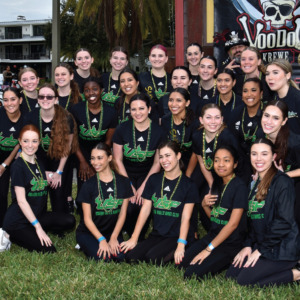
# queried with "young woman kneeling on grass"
point(171, 197)
point(27, 219)
point(272, 248)
point(104, 199)
point(225, 204)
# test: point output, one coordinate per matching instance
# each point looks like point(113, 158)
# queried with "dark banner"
point(272, 26)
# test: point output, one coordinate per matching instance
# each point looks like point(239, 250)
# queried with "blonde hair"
point(261, 67)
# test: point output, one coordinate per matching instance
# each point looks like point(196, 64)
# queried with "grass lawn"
point(67, 274)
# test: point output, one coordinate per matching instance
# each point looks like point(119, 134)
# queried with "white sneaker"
point(5, 243)
point(77, 247)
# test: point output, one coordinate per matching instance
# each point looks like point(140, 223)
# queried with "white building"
point(22, 43)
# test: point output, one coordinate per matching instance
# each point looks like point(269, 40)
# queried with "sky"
point(31, 9)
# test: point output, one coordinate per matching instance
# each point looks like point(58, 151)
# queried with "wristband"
point(20, 150)
point(182, 241)
point(59, 172)
point(34, 222)
point(211, 247)
point(102, 238)
point(4, 165)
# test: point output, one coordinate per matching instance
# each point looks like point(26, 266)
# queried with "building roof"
point(24, 40)
point(25, 22)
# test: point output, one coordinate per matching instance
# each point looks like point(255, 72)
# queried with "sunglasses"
point(48, 97)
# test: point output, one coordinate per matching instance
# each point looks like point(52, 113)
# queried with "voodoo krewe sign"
point(273, 26)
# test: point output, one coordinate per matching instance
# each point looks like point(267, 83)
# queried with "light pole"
point(55, 35)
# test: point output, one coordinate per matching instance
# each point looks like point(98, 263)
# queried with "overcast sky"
point(31, 9)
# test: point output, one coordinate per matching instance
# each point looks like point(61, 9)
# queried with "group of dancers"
point(153, 152)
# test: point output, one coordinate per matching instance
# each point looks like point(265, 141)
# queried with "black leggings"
point(155, 249)
point(4, 186)
point(218, 260)
point(55, 222)
point(264, 273)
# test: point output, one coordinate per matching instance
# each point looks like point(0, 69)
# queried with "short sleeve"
point(148, 191)
point(118, 137)
point(192, 194)
point(18, 177)
point(85, 194)
point(240, 199)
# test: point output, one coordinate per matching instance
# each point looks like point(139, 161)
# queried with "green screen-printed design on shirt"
point(108, 204)
point(217, 211)
point(38, 185)
point(164, 203)
point(7, 143)
point(136, 154)
point(109, 98)
point(91, 134)
point(253, 207)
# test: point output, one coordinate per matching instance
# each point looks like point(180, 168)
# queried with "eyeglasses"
point(48, 97)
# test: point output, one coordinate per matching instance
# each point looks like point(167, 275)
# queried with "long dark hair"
point(175, 147)
point(190, 115)
point(281, 142)
point(264, 185)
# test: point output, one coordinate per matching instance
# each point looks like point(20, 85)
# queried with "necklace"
point(174, 191)
point(92, 130)
point(109, 96)
point(214, 89)
point(158, 92)
point(173, 132)
point(208, 163)
point(44, 141)
point(247, 135)
point(251, 208)
point(100, 192)
point(66, 107)
point(232, 105)
point(26, 99)
point(226, 188)
point(139, 151)
point(41, 183)
point(123, 112)
point(259, 76)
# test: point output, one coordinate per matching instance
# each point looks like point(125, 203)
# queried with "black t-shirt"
point(89, 138)
point(111, 89)
point(104, 213)
point(227, 109)
point(80, 80)
point(167, 212)
point(292, 100)
point(138, 162)
point(36, 193)
point(162, 85)
point(177, 132)
point(245, 128)
point(9, 134)
point(66, 102)
point(28, 104)
point(205, 94)
point(235, 196)
point(195, 79)
point(292, 160)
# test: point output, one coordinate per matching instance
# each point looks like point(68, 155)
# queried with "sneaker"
point(70, 206)
point(5, 243)
point(77, 247)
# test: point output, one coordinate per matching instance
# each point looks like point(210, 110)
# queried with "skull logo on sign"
point(277, 12)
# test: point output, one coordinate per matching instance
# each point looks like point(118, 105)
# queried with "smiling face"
point(99, 160)
point(139, 111)
point(193, 55)
point(158, 58)
point(128, 84)
point(62, 77)
point(29, 143)
point(11, 102)
point(92, 92)
point(212, 120)
point(276, 78)
point(47, 104)
point(252, 94)
point(168, 159)
point(225, 83)
point(180, 78)
point(118, 60)
point(261, 158)
point(236, 51)
point(83, 60)
point(249, 62)
point(177, 104)
point(272, 120)
point(29, 81)
point(224, 164)
point(207, 69)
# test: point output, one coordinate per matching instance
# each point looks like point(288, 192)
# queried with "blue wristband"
point(211, 247)
point(20, 150)
point(102, 238)
point(182, 241)
point(34, 222)
point(59, 172)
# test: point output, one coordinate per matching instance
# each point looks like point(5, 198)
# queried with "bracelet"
point(182, 241)
point(102, 238)
point(4, 165)
point(34, 222)
point(59, 172)
point(207, 250)
point(210, 246)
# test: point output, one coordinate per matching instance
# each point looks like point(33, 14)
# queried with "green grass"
point(67, 274)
